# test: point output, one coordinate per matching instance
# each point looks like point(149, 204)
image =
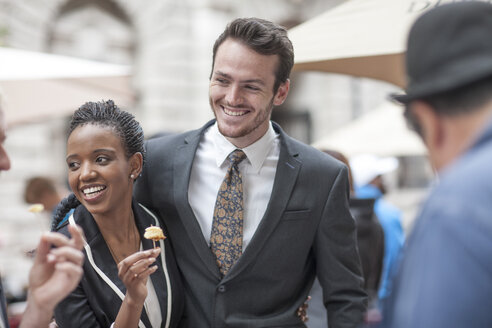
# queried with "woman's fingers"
point(132, 259)
point(142, 276)
point(141, 266)
point(136, 264)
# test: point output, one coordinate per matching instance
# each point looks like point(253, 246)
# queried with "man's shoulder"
point(469, 175)
point(167, 140)
point(172, 140)
point(309, 155)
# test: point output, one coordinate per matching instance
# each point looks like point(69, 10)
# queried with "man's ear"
point(136, 164)
point(432, 126)
point(282, 92)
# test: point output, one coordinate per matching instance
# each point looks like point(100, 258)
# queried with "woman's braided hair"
point(62, 209)
point(106, 114)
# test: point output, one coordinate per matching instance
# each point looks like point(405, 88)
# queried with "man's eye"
point(252, 87)
point(221, 81)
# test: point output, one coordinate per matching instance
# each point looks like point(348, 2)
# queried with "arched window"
point(93, 29)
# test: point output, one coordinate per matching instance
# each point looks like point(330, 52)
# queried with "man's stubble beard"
point(246, 130)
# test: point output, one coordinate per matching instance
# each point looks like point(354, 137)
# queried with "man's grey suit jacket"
point(307, 230)
point(3, 307)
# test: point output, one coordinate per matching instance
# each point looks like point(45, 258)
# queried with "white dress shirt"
point(210, 167)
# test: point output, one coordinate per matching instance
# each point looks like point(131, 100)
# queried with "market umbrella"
point(381, 132)
point(364, 38)
point(38, 86)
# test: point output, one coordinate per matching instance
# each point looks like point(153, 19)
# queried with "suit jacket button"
point(221, 289)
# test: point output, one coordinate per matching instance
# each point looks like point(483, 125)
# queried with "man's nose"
point(234, 96)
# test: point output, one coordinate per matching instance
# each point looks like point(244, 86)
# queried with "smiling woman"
point(105, 155)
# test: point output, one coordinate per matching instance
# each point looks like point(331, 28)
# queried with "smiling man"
point(253, 214)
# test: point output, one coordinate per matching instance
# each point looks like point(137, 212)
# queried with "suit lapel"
point(102, 255)
point(288, 167)
point(99, 249)
point(183, 161)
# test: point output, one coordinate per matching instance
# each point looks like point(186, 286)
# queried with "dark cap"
point(448, 47)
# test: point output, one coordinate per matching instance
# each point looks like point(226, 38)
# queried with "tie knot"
point(236, 156)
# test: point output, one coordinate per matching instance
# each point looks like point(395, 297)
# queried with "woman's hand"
point(134, 271)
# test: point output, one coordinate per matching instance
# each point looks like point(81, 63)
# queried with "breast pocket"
point(296, 215)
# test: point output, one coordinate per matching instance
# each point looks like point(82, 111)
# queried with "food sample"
point(154, 233)
point(36, 208)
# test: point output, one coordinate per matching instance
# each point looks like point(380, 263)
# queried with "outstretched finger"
point(67, 254)
point(46, 241)
point(77, 236)
point(56, 239)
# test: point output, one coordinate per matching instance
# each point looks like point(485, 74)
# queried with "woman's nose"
point(87, 172)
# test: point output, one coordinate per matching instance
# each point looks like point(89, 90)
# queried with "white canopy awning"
point(364, 38)
point(36, 86)
point(381, 132)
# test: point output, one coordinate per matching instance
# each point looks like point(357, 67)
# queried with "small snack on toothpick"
point(154, 233)
point(36, 208)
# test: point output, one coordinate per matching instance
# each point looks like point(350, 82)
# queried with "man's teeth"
point(92, 190)
point(234, 113)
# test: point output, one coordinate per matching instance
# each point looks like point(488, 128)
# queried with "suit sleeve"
point(338, 264)
point(74, 311)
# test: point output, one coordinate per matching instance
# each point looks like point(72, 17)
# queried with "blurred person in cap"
point(55, 272)
point(368, 171)
point(445, 279)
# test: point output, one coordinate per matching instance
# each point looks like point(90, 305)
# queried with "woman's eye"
point(102, 160)
point(73, 165)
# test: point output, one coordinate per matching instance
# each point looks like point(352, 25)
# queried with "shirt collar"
point(256, 153)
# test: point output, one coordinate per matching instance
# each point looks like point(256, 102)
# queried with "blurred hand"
point(134, 271)
point(54, 274)
point(56, 271)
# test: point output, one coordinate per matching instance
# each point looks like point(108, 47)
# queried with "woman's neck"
point(120, 233)
point(117, 224)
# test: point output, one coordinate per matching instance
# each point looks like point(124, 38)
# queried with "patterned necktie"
point(226, 239)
